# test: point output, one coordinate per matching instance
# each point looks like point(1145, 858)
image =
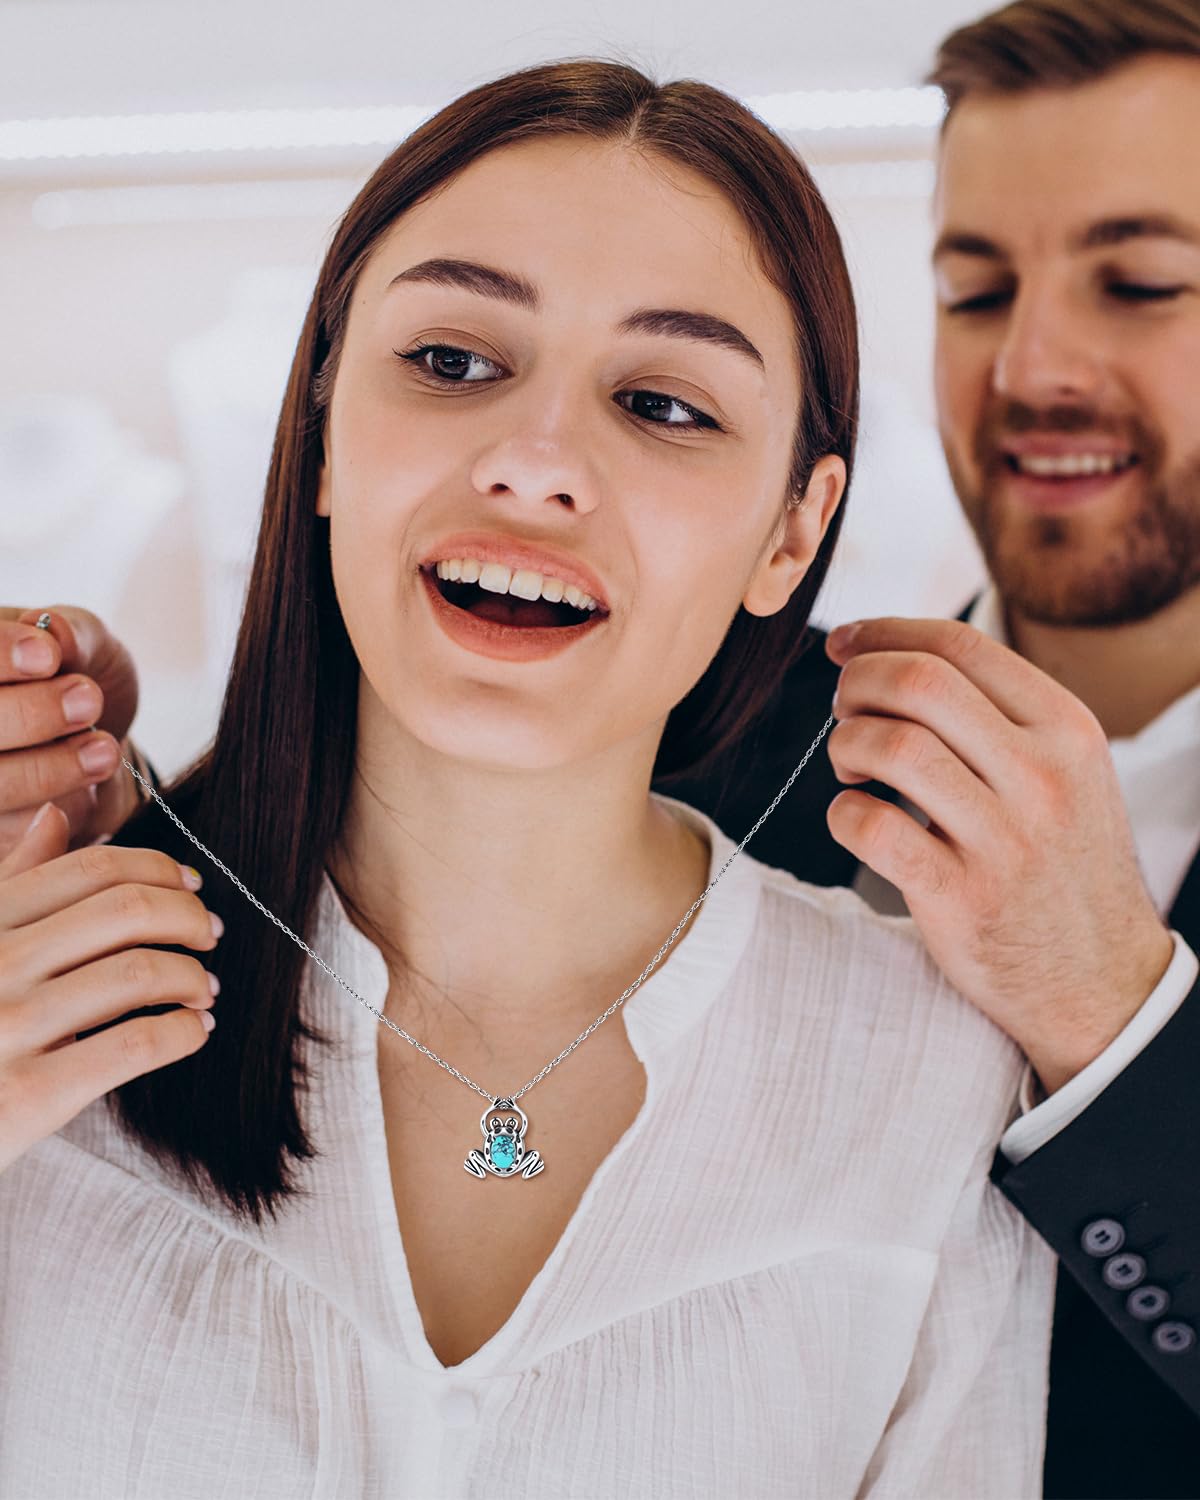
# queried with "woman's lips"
point(498, 641)
point(487, 547)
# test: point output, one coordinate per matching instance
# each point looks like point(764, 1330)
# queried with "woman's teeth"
point(523, 583)
point(1070, 465)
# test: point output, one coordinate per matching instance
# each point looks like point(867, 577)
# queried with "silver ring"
point(43, 621)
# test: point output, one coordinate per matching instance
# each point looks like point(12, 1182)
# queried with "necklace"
point(503, 1123)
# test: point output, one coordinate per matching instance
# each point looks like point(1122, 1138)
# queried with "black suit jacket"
point(1124, 1413)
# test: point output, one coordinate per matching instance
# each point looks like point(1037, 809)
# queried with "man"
point(1067, 264)
point(1068, 327)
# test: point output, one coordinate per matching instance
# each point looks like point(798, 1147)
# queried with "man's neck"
point(1126, 674)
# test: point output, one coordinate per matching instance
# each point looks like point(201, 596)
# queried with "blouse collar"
point(669, 1003)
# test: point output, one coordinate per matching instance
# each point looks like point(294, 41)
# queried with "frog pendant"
point(504, 1125)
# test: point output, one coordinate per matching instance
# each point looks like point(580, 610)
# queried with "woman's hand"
point(71, 929)
point(40, 745)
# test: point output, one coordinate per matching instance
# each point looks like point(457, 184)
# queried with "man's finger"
point(38, 713)
point(1023, 692)
point(12, 633)
point(86, 645)
point(76, 631)
point(928, 690)
point(913, 760)
point(893, 844)
point(45, 773)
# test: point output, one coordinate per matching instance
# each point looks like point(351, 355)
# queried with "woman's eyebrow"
point(487, 281)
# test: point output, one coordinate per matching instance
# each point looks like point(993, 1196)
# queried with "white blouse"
point(790, 1278)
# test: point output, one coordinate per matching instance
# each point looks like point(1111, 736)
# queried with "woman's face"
point(643, 465)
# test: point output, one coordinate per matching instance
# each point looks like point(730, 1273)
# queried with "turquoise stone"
point(504, 1151)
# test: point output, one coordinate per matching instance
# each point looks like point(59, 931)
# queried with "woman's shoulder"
point(861, 989)
point(799, 910)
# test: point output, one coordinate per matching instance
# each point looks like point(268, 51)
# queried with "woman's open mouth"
point(505, 625)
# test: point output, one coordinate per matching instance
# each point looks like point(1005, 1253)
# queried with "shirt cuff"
point(1040, 1121)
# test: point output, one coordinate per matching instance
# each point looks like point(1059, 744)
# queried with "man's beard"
point(1047, 566)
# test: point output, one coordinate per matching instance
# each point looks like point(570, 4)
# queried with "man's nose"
point(1044, 356)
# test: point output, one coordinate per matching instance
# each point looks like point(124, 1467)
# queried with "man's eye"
point(1132, 291)
point(451, 366)
point(984, 302)
point(1123, 291)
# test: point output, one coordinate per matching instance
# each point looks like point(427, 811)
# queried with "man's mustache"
point(1016, 419)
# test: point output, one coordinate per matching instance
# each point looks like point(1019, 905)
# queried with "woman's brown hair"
point(1057, 43)
point(268, 794)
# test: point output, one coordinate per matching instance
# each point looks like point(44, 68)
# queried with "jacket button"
point(1147, 1303)
point(1103, 1237)
point(1124, 1271)
point(1174, 1338)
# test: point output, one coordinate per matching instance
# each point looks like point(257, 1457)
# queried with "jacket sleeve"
point(1117, 1194)
point(970, 1420)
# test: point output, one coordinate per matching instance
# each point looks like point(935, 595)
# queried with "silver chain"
point(583, 1036)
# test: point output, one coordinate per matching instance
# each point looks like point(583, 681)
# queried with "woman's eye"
point(454, 363)
point(656, 401)
point(451, 366)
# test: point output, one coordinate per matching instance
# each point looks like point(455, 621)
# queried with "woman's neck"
point(514, 896)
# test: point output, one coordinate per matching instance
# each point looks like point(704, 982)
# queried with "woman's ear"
point(796, 538)
point(323, 483)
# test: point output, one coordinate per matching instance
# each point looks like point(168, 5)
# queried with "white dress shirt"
point(1159, 773)
point(790, 1277)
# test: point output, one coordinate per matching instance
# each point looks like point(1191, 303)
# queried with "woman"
point(556, 478)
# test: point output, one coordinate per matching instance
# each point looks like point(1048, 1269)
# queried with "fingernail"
point(97, 756)
point(81, 704)
point(39, 816)
point(843, 635)
point(207, 1020)
point(191, 878)
point(214, 983)
point(33, 653)
point(218, 926)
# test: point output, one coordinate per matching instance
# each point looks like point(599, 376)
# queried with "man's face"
point(1067, 357)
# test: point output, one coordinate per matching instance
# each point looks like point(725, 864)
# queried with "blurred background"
point(171, 175)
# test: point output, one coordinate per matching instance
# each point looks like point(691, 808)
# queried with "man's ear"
point(796, 539)
point(324, 484)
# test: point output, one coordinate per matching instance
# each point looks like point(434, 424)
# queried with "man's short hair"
point(1057, 43)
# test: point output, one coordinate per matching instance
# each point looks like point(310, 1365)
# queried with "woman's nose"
point(546, 452)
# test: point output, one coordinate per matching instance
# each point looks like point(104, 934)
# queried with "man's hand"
point(1026, 885)
point(39, 746)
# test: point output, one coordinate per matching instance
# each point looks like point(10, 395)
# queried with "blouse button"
point(458, 1407)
